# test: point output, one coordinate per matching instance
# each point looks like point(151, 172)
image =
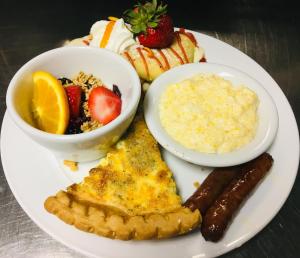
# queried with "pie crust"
point(110, 224)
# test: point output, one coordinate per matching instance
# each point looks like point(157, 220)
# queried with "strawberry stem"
point(144, 16)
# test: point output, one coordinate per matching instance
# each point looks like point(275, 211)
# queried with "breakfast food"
point(83, 103)
point(130, 195)
point(146, 38)
point(50, 110)
point(91, 103)
point(72, 165)
point(220, 213)
point(151, 24)
point(104, 105)
point(211, 188)
point(112, 35)
point(208, 114)
point(150, 63)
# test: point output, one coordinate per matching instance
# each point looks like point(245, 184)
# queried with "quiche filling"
point(132, 177)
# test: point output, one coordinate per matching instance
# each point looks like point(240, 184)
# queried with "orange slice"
point(50, 103)
point(107, 33)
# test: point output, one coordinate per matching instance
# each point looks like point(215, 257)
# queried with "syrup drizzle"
point(152, 55)
point(181, 47)
point(129, 58)
point(144, 61)
point(189, 35)
point(165, 59)
point(86, 42)
point(177, 55)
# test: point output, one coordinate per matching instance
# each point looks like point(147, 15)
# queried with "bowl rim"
point(125, 114)
point(205, 159)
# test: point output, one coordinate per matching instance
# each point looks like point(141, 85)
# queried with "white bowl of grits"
point(211, 114)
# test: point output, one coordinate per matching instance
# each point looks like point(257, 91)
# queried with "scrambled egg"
point(208, 114)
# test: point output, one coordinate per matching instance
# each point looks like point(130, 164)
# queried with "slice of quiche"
point(130, 195)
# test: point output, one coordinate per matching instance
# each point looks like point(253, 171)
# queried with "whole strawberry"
point(153, 27)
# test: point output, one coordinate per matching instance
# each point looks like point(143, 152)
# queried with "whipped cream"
point(119, 39)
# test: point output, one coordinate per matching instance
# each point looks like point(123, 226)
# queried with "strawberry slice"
point(104, 105)
point(74, 99)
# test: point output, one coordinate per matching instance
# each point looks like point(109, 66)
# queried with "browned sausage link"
point(211, 188)
point(220, 213)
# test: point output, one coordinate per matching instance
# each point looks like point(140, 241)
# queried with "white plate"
point(267, 113)
point(33, 174)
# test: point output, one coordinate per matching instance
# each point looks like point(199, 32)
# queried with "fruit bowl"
point(67, 62)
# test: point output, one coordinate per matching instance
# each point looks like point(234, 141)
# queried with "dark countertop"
point(268, 32)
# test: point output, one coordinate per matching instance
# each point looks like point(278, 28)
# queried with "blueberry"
point(116, 90)
point(74, 126)
point(83, 97)
point(65, 81)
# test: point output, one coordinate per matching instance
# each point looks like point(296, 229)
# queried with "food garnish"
point(50, 103)
point(151, 24)
point(104, 105)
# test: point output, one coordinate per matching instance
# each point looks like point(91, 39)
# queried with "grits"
point(208, 114)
